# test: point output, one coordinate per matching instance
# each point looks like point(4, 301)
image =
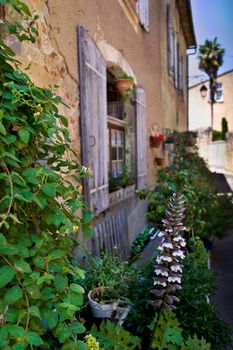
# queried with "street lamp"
point(203, 91)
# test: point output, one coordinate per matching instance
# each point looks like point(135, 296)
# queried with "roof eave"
point(184, 7)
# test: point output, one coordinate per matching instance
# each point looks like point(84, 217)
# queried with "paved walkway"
point(222, 263)
point(222, 260)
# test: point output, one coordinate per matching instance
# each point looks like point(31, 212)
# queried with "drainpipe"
point(192, 47)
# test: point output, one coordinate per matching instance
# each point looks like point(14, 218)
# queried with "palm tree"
point(210, 59)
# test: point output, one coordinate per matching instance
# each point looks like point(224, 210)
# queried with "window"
point(169, 43)
point(219, 93)
point(105, 133)
point(142, 7)
point(181, 76)
point(121, 113)
point(117, 151)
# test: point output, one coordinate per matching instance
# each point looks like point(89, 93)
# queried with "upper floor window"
point(219, 93)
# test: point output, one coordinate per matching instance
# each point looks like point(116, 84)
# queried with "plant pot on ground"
point(101, 303)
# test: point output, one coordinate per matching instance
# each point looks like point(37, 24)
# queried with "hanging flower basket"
point(124, 85)
point(156, 140)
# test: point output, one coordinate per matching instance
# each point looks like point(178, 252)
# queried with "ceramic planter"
point(169, 147)
point(124, 86)
point(100, 310)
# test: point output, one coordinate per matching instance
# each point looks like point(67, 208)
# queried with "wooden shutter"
point(169, 42)
point(93, 120)
point(143, 12)
point(141, 138)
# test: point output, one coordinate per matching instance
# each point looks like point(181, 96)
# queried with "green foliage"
point(207, 213)
point(115, 337)
point(39, 299)
point(217, 135)
point(195, 314)
point(109, 271)
point(224, 128)
point(141, 240)
point(210, 57)
point(168, 335)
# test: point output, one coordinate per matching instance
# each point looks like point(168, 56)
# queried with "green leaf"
point(13, 295)
point(16, 331)
point(44, 278)
point(65, 334)
point(60, 282)
point(49, 189)
point(22, 266)
point(34, 339)
point(3, 240)
point(34, 311)
point(77, 328)
point(6, 275)
point(8, 249)
point(24, 134)
point(2, 129)
point(1, 114)
point(39, 261)
point(76, 288)
point(55, 254)
point(34, 292)
point(64, 121)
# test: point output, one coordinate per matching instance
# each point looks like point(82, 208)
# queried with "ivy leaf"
point(34, 339)
point(49, 189)
point(16, 331)
point(76, 288)
point(24, 134)
point(60, 282)
point(13, 295)
point(6, 275)
point(34, 311)
point(22, 266)
point(2, 129)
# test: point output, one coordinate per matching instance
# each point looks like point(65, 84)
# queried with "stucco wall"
point(199, 109)
point(54, 60)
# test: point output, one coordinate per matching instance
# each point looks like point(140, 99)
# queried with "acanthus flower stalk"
point(168, 267)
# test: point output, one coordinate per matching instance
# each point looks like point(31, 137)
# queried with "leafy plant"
point(195, 314)
point(168, 335)
point(40, 196)
point(109, 271)
point(224, 128)
point(115, 337)
point(142, 239)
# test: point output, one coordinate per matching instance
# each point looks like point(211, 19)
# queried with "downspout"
point(192, 47)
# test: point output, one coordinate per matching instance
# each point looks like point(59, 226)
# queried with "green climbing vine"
point(40, 195)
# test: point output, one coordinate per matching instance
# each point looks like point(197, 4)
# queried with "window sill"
point(121, 194)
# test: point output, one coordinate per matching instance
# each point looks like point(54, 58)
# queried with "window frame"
point(115, 125)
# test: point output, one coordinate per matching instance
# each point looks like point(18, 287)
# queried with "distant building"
point(199, 108)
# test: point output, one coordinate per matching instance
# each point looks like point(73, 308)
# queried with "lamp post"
point(203, 92)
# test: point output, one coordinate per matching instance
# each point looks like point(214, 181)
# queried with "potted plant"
point(124, 85)
point(159, 161)
point(108, 279)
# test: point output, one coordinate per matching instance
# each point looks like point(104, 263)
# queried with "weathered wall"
point(54, 61)
point(199, 109)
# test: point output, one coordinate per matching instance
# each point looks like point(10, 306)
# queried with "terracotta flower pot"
point(123, 86)
point(159, 161)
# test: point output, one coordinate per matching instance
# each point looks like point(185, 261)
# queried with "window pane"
point(114, 153)
point(113, 137)
point(120, 153)
point(114, 169)
point(119, 168)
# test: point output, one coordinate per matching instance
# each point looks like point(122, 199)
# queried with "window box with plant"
point(156, 136)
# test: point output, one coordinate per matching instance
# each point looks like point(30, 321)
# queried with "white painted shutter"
point(143, 12)
point(93, 120)
point(141, 138)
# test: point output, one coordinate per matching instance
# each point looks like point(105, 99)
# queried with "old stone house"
point(199, 108)
point(84, 45)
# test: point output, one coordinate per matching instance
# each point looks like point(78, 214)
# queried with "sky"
point(212, 18)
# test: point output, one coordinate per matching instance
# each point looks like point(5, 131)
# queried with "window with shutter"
point(121, 126)
point(141, 138)
point(169, 43)
point(143, 13)
point(93, 121)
